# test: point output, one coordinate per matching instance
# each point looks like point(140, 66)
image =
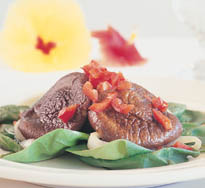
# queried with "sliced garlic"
point(18, 133)
point(94, 141)
point(189, 139)
point(26, 143)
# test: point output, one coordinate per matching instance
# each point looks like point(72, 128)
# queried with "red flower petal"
point(115, 48)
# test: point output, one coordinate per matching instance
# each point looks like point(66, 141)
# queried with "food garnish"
point(104, 86)
point(103, 80)
point(123, 85)
point(118, 105)
point(91, 93)
point(182, 146)
point(67, 113)
point(105, 104)
point(160, 104)
point(162, 119)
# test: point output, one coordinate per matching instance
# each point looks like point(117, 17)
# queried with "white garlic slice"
point(26, 143)
point(189, 139)
point(94, 141)
point(18, 133)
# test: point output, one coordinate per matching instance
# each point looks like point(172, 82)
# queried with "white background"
point(149, 17)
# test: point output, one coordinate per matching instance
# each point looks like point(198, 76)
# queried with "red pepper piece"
point(115, 78)
point(104, 86)
point(100, 107)
point(182, 146)
point(120, 107)
point(96, 81)
point(158, 103)
point(96, 73)
point(162, 119)
point(124, 85)
point(93, 65)
point(112, 95)
point(67, 113)
point(91, 93)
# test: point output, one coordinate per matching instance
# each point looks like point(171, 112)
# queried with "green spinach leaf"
point(9, 144)
point(48, 146)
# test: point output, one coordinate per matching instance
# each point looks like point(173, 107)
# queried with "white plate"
point(68, 171)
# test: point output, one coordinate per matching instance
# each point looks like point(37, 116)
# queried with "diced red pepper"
point(111, 95)
point(104, 86)
point(158, 103)
point(124, 85)
point(162, 119)
point(44, 47)
point(67, 113)
point(97, 77)
point(100, 107)
point(96, 73)
point(115, 78)
point(182, 146)
point(91, 93)
point(93, 65)
point(120, 107)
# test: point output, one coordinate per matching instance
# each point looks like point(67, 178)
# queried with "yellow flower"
point(45, 35)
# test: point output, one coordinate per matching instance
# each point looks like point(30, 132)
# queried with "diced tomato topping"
point(93, 65)
point(96, 73)
point(67, 113)
point(87, 85)
point(162, 119)
point(99, 107)
point(112, 95)
point(102, 79)
point(104, 86)
point(182, 146)
point(91, 93)
point(158, 103)
point(120, 107)
point(124, 85)
point(115, 78)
